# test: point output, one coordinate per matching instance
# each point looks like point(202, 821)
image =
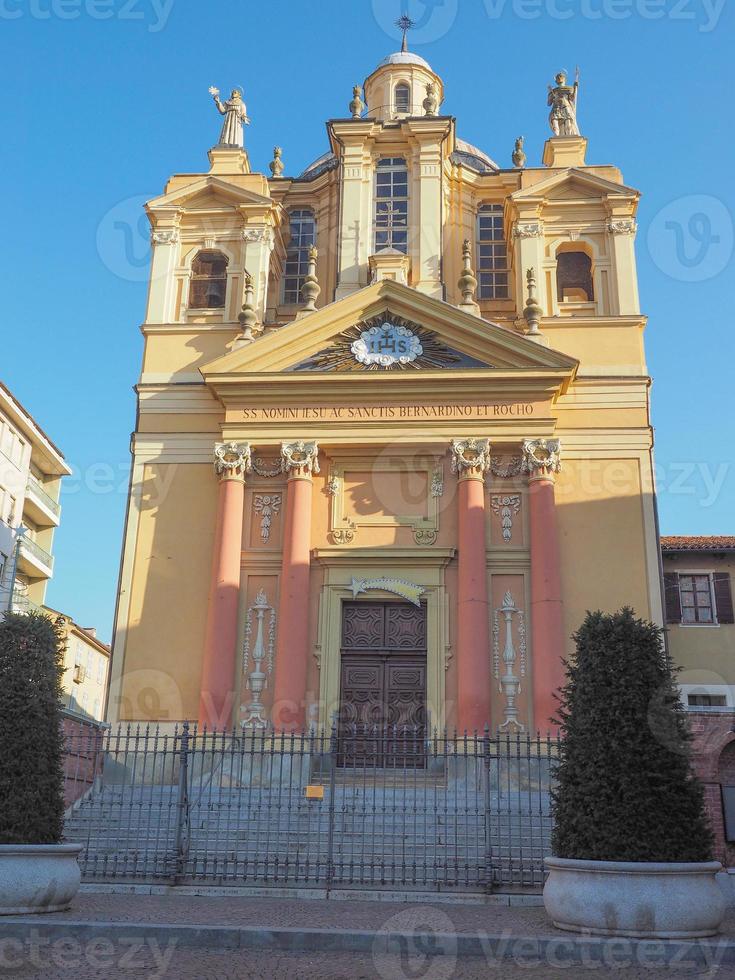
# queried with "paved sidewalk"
point(378, 939)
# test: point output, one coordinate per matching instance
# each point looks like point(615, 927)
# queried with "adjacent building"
point(31, 471)
point(393, 430)
point(698, 572)
point(86, 668)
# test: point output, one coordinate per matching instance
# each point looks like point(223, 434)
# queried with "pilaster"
point(232, 461)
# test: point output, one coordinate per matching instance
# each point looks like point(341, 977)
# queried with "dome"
point(473, 156)
point(325, 162)
point(405, 58)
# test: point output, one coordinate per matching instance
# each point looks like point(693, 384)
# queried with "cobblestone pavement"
point(317, 914)
point(203, 965)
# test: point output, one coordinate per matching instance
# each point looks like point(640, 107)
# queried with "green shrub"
point(624, 788)
point(31, 741)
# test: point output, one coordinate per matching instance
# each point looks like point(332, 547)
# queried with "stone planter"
point(645, 900)
point(38, 877)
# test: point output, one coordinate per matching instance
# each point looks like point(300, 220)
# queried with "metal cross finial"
point(405, 24)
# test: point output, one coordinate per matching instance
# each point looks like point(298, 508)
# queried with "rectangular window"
point(696, 599)
point(706, 700)
point(699, 598)
point(6, 444)
point(391, 204)
point(492, 253)
point(303, 236)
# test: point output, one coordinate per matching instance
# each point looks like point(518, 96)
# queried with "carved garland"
point(268, 506)
point(505, 506)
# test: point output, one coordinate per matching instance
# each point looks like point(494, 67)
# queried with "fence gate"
point(445, 812)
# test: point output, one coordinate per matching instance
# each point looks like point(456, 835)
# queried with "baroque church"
point(393, 434)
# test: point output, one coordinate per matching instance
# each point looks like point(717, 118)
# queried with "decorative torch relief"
point(261, 655)
point(506, 663)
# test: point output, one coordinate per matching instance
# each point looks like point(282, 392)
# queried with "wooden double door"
point(382, 716)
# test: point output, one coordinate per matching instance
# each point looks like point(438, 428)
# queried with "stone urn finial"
point(248, 317)
point(467, 282)
point(311, 288)
point(357, 105)
point(519, 156)
point(431, 102)
point(532, 311)
point(276, 164)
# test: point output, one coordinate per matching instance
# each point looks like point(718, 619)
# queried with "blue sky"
point(104, 99)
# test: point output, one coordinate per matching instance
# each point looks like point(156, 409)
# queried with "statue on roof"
point(563, 102)
point(236, 116)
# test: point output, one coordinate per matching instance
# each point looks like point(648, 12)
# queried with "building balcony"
point(33, 560)
point(40, 506)
point(22, 604)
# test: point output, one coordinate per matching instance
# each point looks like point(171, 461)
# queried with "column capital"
point(299, 459)
point(470, 458)
point(541, 458)
point(232, 460)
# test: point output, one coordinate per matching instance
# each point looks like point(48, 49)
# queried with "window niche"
point(208, 284)
point(574, 275)
point(403, 99)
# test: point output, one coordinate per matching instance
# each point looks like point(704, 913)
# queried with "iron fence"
point(440, 812)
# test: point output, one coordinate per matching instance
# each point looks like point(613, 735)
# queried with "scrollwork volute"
point(300, 459)
point(541, 458)
point(232, 460)
point(470, 458)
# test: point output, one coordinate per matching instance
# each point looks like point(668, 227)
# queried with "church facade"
point(393, 433)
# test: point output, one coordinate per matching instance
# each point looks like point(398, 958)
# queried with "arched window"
point(574, 277)
point(208, 281)
point(403, 98)
point(391, 204)
point(303, 234)
point(492, 253)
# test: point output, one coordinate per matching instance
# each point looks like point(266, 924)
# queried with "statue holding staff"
point(563, 100)
point(236, 116)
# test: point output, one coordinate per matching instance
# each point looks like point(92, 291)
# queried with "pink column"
point(300, 460)
point(470, 460)
point(542, 460)
point(216, 700)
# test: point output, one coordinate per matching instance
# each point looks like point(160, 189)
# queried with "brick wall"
point(713, 757)
point(82, 755)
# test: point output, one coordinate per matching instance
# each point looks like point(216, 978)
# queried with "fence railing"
point(336, 809)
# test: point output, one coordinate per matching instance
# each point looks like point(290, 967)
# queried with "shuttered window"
point(699, 598)
point(723, 597)
point(673, 603)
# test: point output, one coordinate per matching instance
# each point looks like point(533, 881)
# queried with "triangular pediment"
point(573, 184)
point(209, 192)
point(455, 341)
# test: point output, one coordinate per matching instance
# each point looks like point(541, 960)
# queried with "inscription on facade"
point(349, 413)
